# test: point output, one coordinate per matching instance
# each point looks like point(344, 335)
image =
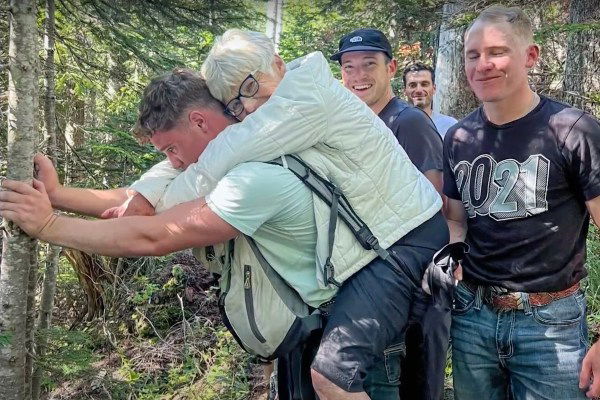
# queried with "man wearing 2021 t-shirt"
point(522, 174)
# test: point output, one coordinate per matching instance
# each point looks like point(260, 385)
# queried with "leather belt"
point(504, 300)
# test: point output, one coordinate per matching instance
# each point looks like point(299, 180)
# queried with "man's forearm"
point(87, 201)
point(458, 231)
point(188, 225)
point(457, 220)
point(122, 237)
point(435, 176)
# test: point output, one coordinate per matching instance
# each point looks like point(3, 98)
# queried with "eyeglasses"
point(248, 88)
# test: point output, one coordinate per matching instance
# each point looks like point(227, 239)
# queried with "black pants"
point(371, 310)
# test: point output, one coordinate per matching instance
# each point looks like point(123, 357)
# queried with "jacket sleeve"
point(153, 183)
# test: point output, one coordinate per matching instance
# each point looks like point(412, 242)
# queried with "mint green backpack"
point(268, 317)
point(265, 315)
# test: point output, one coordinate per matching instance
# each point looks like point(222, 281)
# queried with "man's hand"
point(458, 275)
point(136, 204)
point(46, 173)
point(27, 206)
point(589, 378)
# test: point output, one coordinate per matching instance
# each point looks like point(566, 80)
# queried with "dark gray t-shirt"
point(415, 132)
point(524, 186)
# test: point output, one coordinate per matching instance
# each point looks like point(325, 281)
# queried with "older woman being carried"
point(301, 108)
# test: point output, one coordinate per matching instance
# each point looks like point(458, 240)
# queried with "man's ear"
point(392, 67)
point(533, 54)
point(198, 120)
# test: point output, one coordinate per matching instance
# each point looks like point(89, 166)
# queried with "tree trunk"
point(53, 252)
point(453, 96)
point(49, 84)
point(45, 315)
point(31, 308)
point(582, 74)
point(274, 20)
point(74, 139)
point(22, 124)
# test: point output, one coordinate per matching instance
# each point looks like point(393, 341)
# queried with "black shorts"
point(372, 307)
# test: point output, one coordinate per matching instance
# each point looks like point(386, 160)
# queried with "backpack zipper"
point(250, 303)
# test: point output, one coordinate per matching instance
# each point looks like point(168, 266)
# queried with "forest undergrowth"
point(158, 335)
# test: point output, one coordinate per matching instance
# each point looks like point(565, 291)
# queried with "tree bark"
point(50, 83)
point(30, 323)
point(22, 124)
point(582, 67)
point(74, 139)
point(453, 96)
point(45, 315)
point(274, 20)
point(53, 252)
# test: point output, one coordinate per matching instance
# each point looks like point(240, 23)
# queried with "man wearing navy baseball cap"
point(364, 40)
point(368, 66)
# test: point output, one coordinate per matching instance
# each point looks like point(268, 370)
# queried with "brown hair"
point(416, 67)
point(167, 97)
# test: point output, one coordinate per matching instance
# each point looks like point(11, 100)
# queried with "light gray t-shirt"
point(270, 204)
point(442, 122)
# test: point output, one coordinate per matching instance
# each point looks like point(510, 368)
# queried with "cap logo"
point(356, 39)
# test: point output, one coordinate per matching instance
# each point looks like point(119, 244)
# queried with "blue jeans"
point(534, 353)
point(383, 379)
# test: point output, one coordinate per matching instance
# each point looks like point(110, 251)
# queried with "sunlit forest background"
point(148, 328)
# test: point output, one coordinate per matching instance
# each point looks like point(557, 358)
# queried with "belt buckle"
point(519, 299)
point(505, 300)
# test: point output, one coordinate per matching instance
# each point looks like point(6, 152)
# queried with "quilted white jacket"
point(312, 114)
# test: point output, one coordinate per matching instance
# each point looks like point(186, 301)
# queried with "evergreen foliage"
point(157, 332)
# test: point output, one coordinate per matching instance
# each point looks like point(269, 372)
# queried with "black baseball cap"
point(363, 40)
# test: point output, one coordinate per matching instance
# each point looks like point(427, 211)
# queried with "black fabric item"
point(302, 329)
point(524, 185)
point(428, 332)
point(439, 274)
point(363, 40)
point(415, 132)
point(333, 215)
point(293, 371)
point(423, 368)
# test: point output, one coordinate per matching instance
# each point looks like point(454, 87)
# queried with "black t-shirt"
point(524, 186)
point(415, 132)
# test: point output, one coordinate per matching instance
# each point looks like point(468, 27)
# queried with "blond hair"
point(514, 17)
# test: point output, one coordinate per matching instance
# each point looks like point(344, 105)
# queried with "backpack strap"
point(340, 206)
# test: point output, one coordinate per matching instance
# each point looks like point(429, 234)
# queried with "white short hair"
point(233, 56)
